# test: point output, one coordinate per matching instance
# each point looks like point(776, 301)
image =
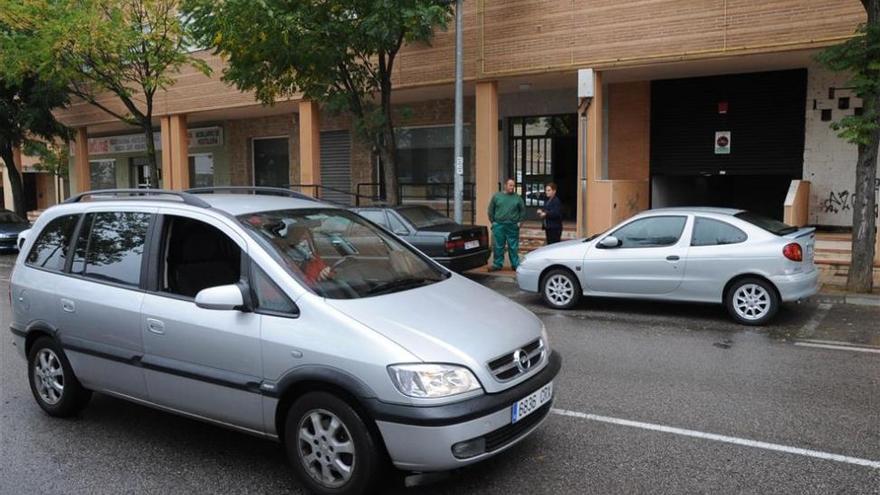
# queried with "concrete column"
point(81, 180)
point(165, 138)
point(486, 166)
point(8, 201)
point(590, 208)
point(175, 154)
point(309, 145)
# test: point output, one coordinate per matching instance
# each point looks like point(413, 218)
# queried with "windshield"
point(768, 224)
point(422, 216)
point(338, 255)
point(10, 217)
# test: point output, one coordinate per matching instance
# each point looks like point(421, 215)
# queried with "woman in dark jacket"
point(552, 214)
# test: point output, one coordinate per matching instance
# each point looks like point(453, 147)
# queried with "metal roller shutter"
point(765, 116)
point(336, 166)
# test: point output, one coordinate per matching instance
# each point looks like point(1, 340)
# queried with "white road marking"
point(838, 347)
point(810, 326)
point(721, 438)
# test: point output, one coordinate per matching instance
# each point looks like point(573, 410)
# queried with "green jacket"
point(506, 208)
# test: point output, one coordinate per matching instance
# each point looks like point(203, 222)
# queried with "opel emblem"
point(522, 361)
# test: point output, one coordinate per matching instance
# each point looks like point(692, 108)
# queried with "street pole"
point(459, 124)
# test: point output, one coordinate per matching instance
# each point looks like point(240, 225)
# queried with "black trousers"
point(553, 235)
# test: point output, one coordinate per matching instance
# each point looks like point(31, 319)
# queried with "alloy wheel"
point(326, 448)
point(751, 302)
point(48, 376)
point(559, 290)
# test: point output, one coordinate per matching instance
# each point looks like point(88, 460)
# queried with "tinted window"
point(197, 256)
point(422, 216)
point(375, 216)
point(268, 296)
point(651, 232)
point(768, 224)
point(111, 244)
point(708, 232)
point(10, 217)
point(396, 225)
point(50, 250)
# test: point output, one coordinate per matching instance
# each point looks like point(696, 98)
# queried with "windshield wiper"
point(399, 284)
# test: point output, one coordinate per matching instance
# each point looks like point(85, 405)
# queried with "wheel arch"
point(38, 329)
point(558, 266)
point(730, 283)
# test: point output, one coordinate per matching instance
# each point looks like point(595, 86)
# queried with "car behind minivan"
point(276, 315)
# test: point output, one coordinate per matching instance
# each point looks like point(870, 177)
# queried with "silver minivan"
point(283, 317)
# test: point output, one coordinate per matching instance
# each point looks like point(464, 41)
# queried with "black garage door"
point(764, 116)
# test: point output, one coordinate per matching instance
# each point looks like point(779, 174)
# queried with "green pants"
point(505, 233)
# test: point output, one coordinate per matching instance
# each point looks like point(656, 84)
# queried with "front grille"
point(505, 368)
point(507, 434)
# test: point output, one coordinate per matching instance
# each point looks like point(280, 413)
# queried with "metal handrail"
point(185, 196)
point(277, 191)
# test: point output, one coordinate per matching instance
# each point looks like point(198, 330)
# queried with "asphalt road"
point(652, 398)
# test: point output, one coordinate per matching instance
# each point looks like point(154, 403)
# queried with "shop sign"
point(722, 143)
point(133, 143)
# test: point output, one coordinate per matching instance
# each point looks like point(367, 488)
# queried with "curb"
point(854, 299)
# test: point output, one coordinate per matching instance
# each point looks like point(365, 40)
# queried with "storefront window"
point(271, 162)
point(425, 155)
point(201, 170)
point(102, 174)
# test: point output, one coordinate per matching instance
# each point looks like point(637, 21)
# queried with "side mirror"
point(223, 297)
point(610, 242)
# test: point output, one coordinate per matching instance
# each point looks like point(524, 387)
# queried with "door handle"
point(155, 326)
point(672, 257)
point(68, 306)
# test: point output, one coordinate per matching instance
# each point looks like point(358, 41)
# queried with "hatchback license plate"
point(471, 244)
point(531, 403)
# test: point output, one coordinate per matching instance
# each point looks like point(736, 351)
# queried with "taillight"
point(793, 252)
point(484, 239)
point(453, 245)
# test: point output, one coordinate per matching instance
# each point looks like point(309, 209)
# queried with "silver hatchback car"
point(749, 263)
point(282, 317)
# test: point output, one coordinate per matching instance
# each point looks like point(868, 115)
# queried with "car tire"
point(752, 301)
point(317, 447)
point(53, 384)
point(560, 289)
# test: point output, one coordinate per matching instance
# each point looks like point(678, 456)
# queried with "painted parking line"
point(836, 346)
point(809, 328)
point(721, 438)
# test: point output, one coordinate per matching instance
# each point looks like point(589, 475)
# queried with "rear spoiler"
point(802, 232)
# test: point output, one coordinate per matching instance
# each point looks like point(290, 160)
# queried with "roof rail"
point(187, 198)
point(277, 191)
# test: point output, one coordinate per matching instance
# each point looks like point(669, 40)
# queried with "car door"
point(648, 261)
point(715, 255)
point(200, 361)
point(99, 302)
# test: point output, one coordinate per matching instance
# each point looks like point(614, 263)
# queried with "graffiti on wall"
point(844, 201)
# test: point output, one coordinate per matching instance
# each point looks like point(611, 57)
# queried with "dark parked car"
point(10, 226)
point(455, 246)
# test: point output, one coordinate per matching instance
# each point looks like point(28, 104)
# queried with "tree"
point(26, 104)
point(129, 49)
point(340, 53)
point(860, 56)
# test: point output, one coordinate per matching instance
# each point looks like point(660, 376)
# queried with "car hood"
point(13, 228)
point(573, 249)
point(453, 321)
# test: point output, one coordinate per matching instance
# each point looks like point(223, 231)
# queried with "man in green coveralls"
point(506, 211)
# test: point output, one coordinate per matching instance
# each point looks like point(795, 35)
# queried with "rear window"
point(768, 224)
point(50, 249)
point(423, 217)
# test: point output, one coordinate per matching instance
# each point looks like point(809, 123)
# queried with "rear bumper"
point(797, 286)
point(465, 262)
point(421, 438)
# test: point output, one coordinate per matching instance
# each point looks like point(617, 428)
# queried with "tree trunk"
point(15, 182)
point(151, 154)
point(388, 147)
point(861, 270)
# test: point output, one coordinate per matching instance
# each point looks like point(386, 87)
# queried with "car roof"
point(694, 209)
point(241, 204)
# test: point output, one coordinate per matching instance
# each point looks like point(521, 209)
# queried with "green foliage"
point(53, 158)
point(859, 56)
point(337, 52)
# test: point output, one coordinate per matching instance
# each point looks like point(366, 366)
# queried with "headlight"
point(432, 380)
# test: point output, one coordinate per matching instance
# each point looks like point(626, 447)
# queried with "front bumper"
point(527, 279)
point(421, 438)
point(797, 286)
point(465, 262)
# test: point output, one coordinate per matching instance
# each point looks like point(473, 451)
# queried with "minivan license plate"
point(531, 403)
point(471, 244)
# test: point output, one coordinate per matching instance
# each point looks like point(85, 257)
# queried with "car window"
point(422, 216)
point(709, 232)
point(768, 224)
point(268, 296)
point(196, 256)
point(50, 248)
point(651, 232)
point(375, 216)
point(110, 246)
point(396, 225)
point(338, 255)
point(10, 217)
